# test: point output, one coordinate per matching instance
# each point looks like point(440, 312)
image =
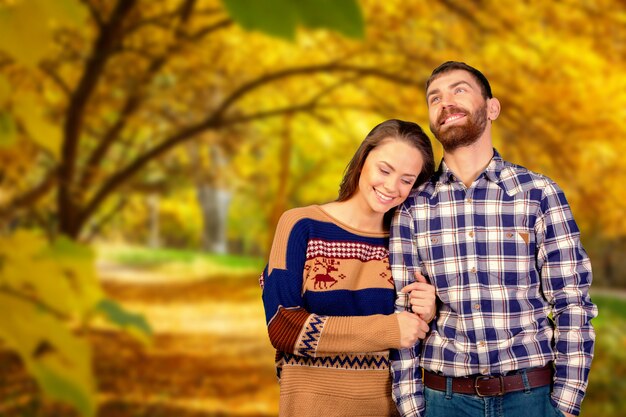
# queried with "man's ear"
point(493, 108)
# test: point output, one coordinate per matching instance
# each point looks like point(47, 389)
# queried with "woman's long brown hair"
point(407, 132)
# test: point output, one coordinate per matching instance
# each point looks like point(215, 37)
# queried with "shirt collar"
point(492, 171)
point(495, 167)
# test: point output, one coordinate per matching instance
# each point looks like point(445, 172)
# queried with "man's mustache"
point(448, 111)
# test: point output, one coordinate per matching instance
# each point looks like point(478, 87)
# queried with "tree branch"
point(159, 20)
point(286, 73)
point(30, 197)
point(95, 13)
point(216, 120)
point(471, 17)
point(109, 138)
point(121, 176)
point(309, 106)
point(106, 219)
point(200, 33)
point(185, 9)
point(48, 69)
point(133, 101)
point(109, 36)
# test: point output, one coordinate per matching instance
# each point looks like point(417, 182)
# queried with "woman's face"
point(388, 174)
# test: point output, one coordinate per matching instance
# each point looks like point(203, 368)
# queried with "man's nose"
point(447, 99)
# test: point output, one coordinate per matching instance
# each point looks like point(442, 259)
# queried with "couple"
point(492, 314)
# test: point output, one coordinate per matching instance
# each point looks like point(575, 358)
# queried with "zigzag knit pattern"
point(345, 361)
point(307, 345)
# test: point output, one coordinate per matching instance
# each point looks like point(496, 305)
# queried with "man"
point(512, 336)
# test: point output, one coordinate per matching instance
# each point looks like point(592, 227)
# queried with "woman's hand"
point(422, 298)
point(412, 328)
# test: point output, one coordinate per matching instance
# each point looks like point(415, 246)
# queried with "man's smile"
point(452, 118)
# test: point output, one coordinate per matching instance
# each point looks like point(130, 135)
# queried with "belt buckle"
point(483, 378)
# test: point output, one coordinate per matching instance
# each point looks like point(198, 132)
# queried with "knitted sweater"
point(329, 301)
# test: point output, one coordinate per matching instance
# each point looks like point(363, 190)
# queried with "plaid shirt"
point(511, 275)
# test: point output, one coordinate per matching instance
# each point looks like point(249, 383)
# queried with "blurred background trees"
point(193, 124)
point(110, 110)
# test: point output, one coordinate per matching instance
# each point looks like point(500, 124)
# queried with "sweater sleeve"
point(291, 327)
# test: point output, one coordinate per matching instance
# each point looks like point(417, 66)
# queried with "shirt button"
point(473, 270)
point(469, 200)
point(484, 371)
point(477, 306)
point(471, 234)
point(481, 343)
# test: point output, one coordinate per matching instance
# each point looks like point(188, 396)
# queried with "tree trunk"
point(154, 240)
point(212, 199)
point(214, 205)
point(282, 192)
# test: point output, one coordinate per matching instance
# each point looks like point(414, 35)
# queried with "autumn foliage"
point(188, 122)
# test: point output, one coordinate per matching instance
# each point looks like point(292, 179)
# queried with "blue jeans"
point(533, 402)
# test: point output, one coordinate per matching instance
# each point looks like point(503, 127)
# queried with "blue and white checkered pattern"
point(504, 256)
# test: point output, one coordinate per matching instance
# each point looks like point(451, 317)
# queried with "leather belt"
point(486, 386)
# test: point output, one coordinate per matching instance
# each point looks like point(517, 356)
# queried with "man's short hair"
point(456, 65)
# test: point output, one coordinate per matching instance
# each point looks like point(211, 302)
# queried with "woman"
point(328, 291)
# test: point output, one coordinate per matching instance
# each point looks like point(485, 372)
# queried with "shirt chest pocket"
point(438, 254)
point(504, 242)
point(508, 254)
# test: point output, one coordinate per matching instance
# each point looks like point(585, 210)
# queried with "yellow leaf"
point(25, 26)
point(41, 131)
point(61, 277)
point(60, 361)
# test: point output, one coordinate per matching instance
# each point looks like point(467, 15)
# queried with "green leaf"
point(343, 16)
point(7, 130)
point(118, 315)
point(64, 247)
point(280, 17)
point(274, 17)
point(5, 90)
point(59, 361)
point(63, 389)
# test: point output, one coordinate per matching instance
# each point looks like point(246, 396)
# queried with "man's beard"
point(457, 136)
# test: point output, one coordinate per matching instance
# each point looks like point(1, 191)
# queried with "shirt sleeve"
point(407, 387)
point(291, 327)
point(566, 276)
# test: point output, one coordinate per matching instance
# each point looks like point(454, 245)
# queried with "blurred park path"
point(210, 354)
